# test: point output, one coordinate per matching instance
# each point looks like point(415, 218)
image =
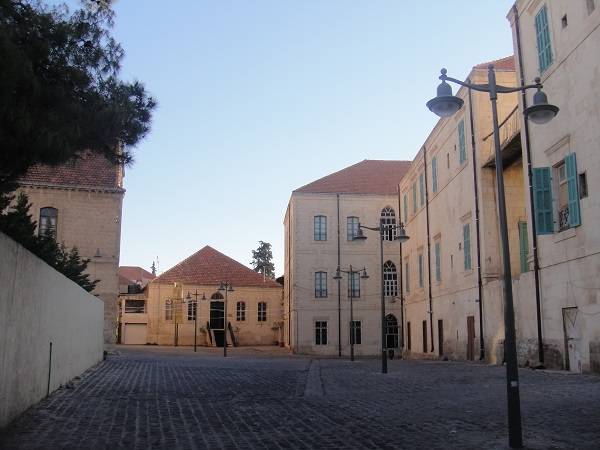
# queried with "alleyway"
point(152, 397)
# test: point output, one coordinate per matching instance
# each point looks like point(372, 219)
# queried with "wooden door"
point(572, 340)
point(471, 338)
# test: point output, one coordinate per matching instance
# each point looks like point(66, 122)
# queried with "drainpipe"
point(339, 262)
point(536, 264)
point(289, 281)
point(401, 283)
point(476, 190)
point(428, 246)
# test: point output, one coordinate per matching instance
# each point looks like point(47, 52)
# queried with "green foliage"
point(59, 88)
point(262, 260)
point(17, 223)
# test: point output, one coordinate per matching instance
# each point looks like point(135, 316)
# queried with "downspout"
point(536, 264)
point(401, 283)
point(428, 247)
point(477, 231)
point(339, 262)
point(289, 282)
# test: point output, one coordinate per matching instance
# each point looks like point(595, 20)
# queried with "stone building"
point(320, 222)
point(559, 41)
point(82, 202)
point(133, 281)
point(188, 295)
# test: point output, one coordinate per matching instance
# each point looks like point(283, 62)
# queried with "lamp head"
point(364, 274)
point(541, 111)
point(338, 275)
point(203, 296)
point(221, 287)
point(230, 288)
point(402, 236)
point(444, 104)
point(360, 236)
point(188, 297)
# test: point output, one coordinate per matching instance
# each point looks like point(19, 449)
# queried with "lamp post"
point(189, 298)
point(541, 112)
point(225, 286)
point(402, 237)
point(338, 276)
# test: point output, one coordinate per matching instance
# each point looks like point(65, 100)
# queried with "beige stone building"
point(82, 202)
point(559, 41)
point(187, 295)
point(320, 222)
point(133, 281)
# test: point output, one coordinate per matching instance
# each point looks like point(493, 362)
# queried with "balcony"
point(563, 219)
point(510, 141)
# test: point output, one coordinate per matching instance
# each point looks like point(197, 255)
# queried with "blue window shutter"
point(414, 197)
point(461, 142)
point(434, 174)
point(438, 262)
point(467, 246)
point(542, 32)
point(523, 246)
point(574, 213)
point(542, 200)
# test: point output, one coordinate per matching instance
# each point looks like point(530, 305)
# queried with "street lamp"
point(338, 276)
point(402, 237)
point(189, 299)
point(225, 286)
point(541, 112)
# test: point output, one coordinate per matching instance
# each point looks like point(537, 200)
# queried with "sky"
point(259, 97)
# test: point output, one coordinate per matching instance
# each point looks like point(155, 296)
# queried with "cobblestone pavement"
point(259, 398)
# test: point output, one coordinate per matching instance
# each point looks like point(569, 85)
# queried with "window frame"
point(437, 248)
point(240, 311)
point(262, 312)
point(192, 310)
point(467, 261)
point(354, 285)
point(387, 220)
point(390, 279)
point(355, 332)
point(169, 309)
point(48, 214)
point(321, 332)
point(320, 280)
point(320, 228)
point(352, 223)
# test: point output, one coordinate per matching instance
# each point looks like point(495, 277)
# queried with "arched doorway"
point(391, 332)
point(217, 318)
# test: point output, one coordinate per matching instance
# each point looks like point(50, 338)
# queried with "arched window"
point(262, 312)
point(241, 311)
point(48, 219)
point(388, 222)
point(169, 309)
point(390, 279)
point(216, 296)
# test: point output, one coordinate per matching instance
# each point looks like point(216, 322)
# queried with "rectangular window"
point(320, 228)
point(321, 332)
point(192, 308)
point(542, 32)
point(414, 197)
point(135, 306)
point(354, 284)
point(405, 208)
point(523, 247)
point(438, 261)
point(241, 311)
point(47, 222)
point(169, 309)
point(462, 143)
point(421, 270)
point(356, 332)
point(320, 284)
point(351, 228)
point(262, 312)
point(542, 200)
point(422, 188)
point(407, 277)
point(434, 183)
point(467, 246)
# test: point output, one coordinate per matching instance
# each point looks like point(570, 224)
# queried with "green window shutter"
point(422, 188)
point(574, 212)
point(467, 246)
point(414, 197)
point(405, 208)
point(523, 246)
point(420, 270)
point(542, 200)
point(542, 32)
point(461, 142)
point(434, 174)
point(438, 262)
point(407, 272)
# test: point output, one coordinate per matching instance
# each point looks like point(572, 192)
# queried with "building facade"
point(559, 41)
point(320, 223)
point(81, 202)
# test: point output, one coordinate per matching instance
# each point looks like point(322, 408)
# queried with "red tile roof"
point(208, 266)
point(135, 273)
point(90, 170)
point(507, 63)
point(366, 177)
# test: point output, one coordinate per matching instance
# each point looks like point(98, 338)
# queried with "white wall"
point(38, 305)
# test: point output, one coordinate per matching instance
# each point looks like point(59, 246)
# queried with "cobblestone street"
point(149, 397)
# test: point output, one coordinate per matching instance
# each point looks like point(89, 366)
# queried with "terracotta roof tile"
point(366, 177)
point(135, 273)
point(90, 170)
point(208, 266)
point(507, 63)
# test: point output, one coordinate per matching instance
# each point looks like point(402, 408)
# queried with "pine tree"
point(262, 260)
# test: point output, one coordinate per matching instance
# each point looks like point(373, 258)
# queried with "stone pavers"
point(263, 398)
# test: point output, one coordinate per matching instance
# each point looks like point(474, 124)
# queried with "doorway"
point(217, 322)
point(471, 338)
point(572, 339)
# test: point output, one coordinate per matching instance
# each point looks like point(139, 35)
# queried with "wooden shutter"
point(523, 246)
point(434, 174)
point(571, 169)
point(542, 200)
point(461, 142)
point(542, 31)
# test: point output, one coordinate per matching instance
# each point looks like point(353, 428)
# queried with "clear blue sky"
point(257, 98)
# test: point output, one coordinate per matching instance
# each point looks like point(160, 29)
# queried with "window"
point(262, 312)
point(351, 228)
point(241, 311)
point(542, 32)
point(583, 187)
point(354, 284)
point(523, 247)
point(422, 188)
point(407, 276)
point(542, 200)
point(438, 261)
point(467, 246)
point(414, 197)
point(462, 145)
point(135, 306)
point(421, 270)
point(564, 21)
point(321, 332)
point(192, 309)
point(591, 6)
point(434, 184)
point(388, 223)
point(390, 279)
point(405, 208)
point(320, 228)
point(356, 332)
point(48, 218)
point(320, 284)
point(448, 160)
point(168, 309)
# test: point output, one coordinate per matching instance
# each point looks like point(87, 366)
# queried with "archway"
point(217, 318)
